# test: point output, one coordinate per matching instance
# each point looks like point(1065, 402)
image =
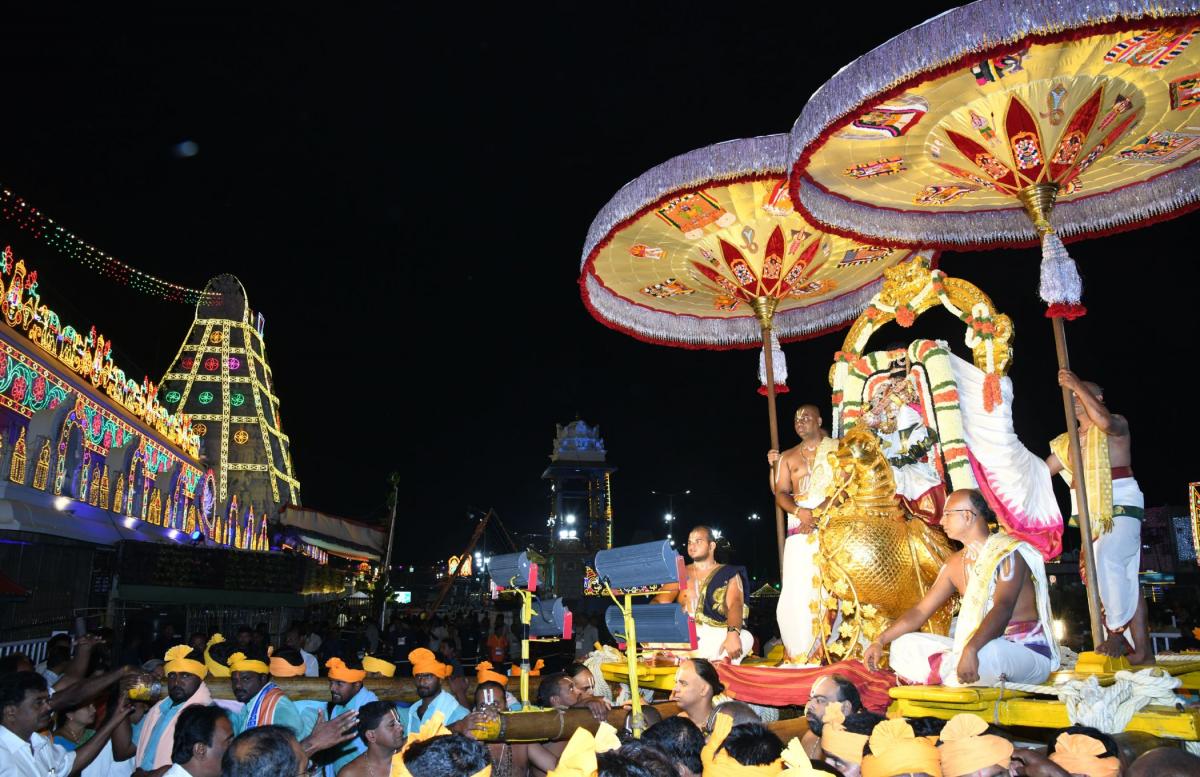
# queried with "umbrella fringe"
point(1164, 196)
point(715, 333)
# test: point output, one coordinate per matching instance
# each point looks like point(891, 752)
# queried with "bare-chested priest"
point(1004, 623)
point(1115, 508)
point(716, 598)
point(802, 482)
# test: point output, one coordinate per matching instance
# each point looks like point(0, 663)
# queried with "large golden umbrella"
point(1008, 123)
point(706, 251)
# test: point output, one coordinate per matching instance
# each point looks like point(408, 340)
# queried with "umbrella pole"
point(765, 308)
point(1038, 201)
point(1085, 523)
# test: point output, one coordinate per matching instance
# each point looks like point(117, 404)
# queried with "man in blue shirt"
point(428, 674)
point(346, 692)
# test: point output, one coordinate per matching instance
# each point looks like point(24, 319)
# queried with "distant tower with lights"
point(222, 380)
point(581, 513)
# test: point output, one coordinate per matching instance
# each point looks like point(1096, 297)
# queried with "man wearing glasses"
point(1004, 624)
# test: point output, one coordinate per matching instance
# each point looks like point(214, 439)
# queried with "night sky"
point(405, 198)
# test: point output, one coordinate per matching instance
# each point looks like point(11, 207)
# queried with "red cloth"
point(779, 686)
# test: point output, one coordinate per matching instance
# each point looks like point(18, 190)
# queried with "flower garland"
point(944, 405)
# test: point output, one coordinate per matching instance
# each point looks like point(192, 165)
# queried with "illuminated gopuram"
point(581, 512)
point(222, 380)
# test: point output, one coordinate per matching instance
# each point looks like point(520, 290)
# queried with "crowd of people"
point(74, 715)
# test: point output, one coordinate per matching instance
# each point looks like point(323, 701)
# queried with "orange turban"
point(836, 740)
point(578, 758)
point(425, 662)
point(895, 750)
point(281, 668)
point(378, 665)
point(1081, 754)
point(534, 670)
point(966, 749)
point(722, 764)
point(176, 660)
point(342, 673)
point(485, 674)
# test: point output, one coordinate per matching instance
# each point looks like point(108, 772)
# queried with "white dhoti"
point(800, 594)
point(1026, 653)
point(930, 659)
point(801, 590)
point(1119, 555)
point(711, 639)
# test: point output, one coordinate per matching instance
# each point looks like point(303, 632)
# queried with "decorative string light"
point(18, 212)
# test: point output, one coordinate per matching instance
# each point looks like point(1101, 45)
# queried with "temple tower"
point(581, 515)
point(220, 377)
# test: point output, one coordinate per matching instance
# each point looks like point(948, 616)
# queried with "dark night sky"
point(405, 199)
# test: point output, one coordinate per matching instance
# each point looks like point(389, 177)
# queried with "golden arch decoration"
point(912, 288)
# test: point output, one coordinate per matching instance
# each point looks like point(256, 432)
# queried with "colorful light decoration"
point(27, 218)
point(236, 377)
point(89, 357)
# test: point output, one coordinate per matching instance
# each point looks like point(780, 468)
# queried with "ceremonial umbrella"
point(965, 131)
point(705, 251)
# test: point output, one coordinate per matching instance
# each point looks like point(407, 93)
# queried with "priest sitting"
point(1004, 624)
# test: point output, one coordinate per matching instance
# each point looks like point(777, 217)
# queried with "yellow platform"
point(1018, 708)
point(661, 678)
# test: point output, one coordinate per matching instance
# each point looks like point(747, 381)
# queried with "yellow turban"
point(894, 750)
point(431, 728)
point(836, 740)
point(485, 674)
point(176, 661)
point(342, 673)
point(239, 663)
point(385, 668)
point(966, 748)
point(534, 670)
point(578, 758)
point(1081, 754)
point(281, 668)
point(425, 662)
point(722, 764)
point(797, 760)
point(215, 667)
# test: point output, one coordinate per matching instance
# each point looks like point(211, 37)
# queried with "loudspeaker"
point(635, 566)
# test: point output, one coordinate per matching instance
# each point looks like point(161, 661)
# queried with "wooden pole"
point(765, 308)
point(1038, 201)
point(557, 725)
point(317, 688)
point(1076, 463)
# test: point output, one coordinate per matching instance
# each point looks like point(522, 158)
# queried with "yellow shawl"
point(1097, 476)
point(981, 583)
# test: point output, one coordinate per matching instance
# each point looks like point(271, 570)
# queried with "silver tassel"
point(1060, 283)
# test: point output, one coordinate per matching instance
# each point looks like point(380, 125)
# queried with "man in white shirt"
point(202, 736)
point(24, 711)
